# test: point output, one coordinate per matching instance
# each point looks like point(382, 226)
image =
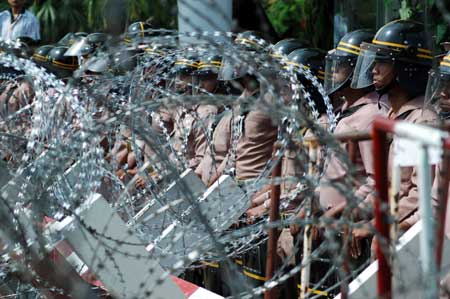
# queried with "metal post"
point(352, 151)
point(380, 147)
point(427, 235)
point(394, 194)
point(307, 234)
point(274, 215)
point(443, 184)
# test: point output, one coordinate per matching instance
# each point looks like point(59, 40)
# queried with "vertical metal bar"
point(443, 184)
point(352, 151)
point(380, 147)
point(394, 193)
point(307, 234)
point(307, 248)
point(427, 236)
point(274, 215)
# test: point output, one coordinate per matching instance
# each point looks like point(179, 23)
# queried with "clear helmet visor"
point(98, 64)
point(369, 56)
point(363, 75)
point(205, 84)
point(437, 94)
point(338, 71)
point(80, 48)
point(277, 88)
point(232, 69)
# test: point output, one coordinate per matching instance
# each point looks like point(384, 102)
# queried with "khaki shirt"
point(193, 125)
point(295, 165)
point(255, 146)
point(215, 154)
point(413, 112)
point(409, 194)
point(361, 120)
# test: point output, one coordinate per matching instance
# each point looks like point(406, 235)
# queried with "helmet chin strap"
point(385, 89)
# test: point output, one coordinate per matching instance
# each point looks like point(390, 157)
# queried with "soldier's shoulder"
point(424, 115)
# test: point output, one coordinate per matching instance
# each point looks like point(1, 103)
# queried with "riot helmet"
point(118, 63)
point(251, 41)
point(138, 32)
point(209, 64)
point(185, 65)
point(59, 64)
point(155, 51)
point(87, 45)
point(286, 46)
point(438, 85)
point(206, 75)
point(70, 38)
point(181, 79)
point(124, 61)
point(312, 59)
point(404, 46)
point(40, 55)
point(340, 62)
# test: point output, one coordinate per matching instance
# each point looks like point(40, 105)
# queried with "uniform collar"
point(416, 103)
point(370, 98)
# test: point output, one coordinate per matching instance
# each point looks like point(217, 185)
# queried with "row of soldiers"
point(368, 75)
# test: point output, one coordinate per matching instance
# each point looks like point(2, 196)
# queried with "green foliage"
point(412, 9)
point(308, 18)
point(406, 11)
point(58, 17)
point(305, 19)
point(284, 13)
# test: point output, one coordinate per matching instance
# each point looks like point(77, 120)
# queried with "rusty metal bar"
point(274, 215)
point(349, 136)
point(380, 147)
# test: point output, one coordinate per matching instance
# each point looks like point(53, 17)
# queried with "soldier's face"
point(445, 93)
point(383, 73)
point(341, 74)
point(182, 83)
point(208, 83)
point(286, 93)
point(16, 3)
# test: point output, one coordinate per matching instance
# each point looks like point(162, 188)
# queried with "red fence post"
point(380, 147)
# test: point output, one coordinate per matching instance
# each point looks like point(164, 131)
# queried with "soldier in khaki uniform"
point(438, 97)
point(360, 108)
point(251, 137)
point(191, 125)
point(400, 72)
point(208, 170)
